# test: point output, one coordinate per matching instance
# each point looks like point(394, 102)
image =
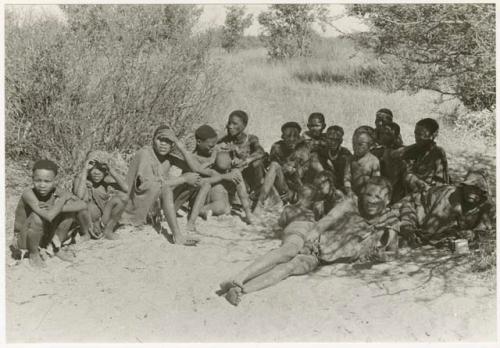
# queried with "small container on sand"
point(461, 246)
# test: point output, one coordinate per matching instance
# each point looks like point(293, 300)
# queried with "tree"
point(234, 26)
point(288, 28)
point(104, 80)
point(448, 48)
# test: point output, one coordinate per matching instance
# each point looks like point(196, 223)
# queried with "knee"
point(274, 166)
point(35, 221)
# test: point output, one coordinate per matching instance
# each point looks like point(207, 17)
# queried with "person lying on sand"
point(105, 192)
point(213, 197)
point(355, 229)
point(332, 157)
point(148, 180)
point(363, 164)
point(296, 221)
point(44, 216)
point(444, 213)
point(246, 152)
point(280, 170)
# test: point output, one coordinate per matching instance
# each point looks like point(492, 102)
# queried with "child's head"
point(163, 140)
point(388, 133)
point(383, 117)
point(307, 195)
point(302, 153)
point(206, 139)
point(375, 196)
point(362, 142)
point(426, 130)
point(475, 186)
point(324, 182)
point(44, 177)
point(223, 161)
point(98, 172)
point(290, 133)
point(334, 137)
point(236, 122)
point(316, 124)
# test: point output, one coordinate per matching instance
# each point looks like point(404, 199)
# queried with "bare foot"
point(226, 286)
point(252, 219)
point(111, 236)
point(36, 261)
point(233, 296)
point(259, 209)
point(65, 255)
point(85, 238)
point(186, 241)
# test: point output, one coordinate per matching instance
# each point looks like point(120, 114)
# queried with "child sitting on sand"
point(314, 135)
point(105, 193)
point(296, 221)
point(213, 197)
point(333, 157)
point(280, 156)
point(363, 165)
point(425, 161)
point(246, 152)
point(44, 215)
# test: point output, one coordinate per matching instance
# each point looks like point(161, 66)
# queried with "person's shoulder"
point(253, 138)
point(345, 152)
point(27, 192)
point(224, 139)
point(440, 152)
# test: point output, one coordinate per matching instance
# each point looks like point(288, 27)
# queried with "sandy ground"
point(141, 288)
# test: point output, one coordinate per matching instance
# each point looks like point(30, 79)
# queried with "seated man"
point(246, 151)
point(363, 164)
point(213, 197)
point(44, 216)
point(278, 173)
point(426, 162)
point(384, 117)
point(204, 153)
point(333, 157)
point(352, 230)
point(148, 181)
point(446, 212)
point(389, 154)
point(105, 193)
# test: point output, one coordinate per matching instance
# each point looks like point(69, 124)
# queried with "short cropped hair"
point(386, 112)
point(335, 128)
point(395, 128)
point(365, 129)
point(291, 125)
point(45, 164)
point(379, 181)
point(429, 123)
point(205, 132)
point(330, 176)
point(242, 115)
point(316, 115)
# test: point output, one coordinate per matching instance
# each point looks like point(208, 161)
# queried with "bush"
point(104, 80)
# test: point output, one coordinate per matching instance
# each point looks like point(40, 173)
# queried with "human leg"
point(111, 215)
point(199, 202)
point(299, 265)
point(33, 231)
point(168, 207)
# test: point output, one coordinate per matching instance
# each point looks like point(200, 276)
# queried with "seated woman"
point(105, 193)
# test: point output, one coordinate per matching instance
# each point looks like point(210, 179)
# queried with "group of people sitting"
point(338, 205)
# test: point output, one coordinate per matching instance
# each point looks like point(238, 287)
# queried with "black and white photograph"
point(272, 172)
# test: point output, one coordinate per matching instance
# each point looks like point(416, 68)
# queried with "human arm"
point(375, 167)
point(42, 210)
point(80, 183)
point(121, 184)
point(193, 164)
